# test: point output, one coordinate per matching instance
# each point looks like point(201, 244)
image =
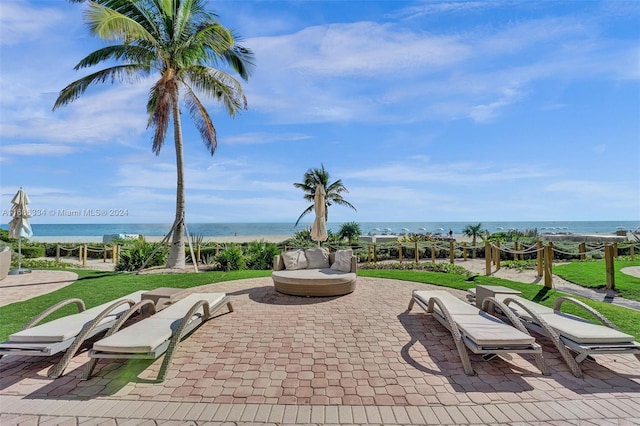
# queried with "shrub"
point(260, 255)
point(231, 259)
point(32, 252)
point(133, 256)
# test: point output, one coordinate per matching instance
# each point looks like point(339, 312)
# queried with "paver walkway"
point(356, 359)
point(15, 288)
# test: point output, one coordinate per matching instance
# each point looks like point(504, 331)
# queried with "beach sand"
point(218, 239)
point(153, 239)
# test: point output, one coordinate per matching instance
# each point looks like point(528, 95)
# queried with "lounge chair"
point(67, 333)
point(159, 333)
point(477, 330)
point(569, 331)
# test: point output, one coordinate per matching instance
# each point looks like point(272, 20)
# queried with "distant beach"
point(152, 239)
point(279, 232)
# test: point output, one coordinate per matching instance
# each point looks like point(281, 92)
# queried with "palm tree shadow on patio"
point(268, 295)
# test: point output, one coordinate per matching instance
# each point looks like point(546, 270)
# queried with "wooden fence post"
point(433, 253)
point(631, 252)
point(452, 253)
point(84, 255)
point(540, 257)
point(375, 255)
point(416, 251)
point(487, 257)
point(104, 254)
point(368, 254)
point(515, 250)
point(548, 261)
point(400, 252)
point(198, 252)
point(609, 254)
point(497, 254)
point(615, 250)
point(582, 248)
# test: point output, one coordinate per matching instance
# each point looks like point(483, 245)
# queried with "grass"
point(593, 275)
point(95, 287)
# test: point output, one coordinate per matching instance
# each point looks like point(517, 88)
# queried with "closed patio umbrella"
point(319, 228)
point(19, 227)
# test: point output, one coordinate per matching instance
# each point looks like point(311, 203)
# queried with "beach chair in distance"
point(476, 330)
point(68, 333)
point(570, 332)
point(158, 334)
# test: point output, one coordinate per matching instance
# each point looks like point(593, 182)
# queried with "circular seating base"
point(315, 288)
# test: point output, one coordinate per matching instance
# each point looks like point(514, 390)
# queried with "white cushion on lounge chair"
point(145, 336)
point(486, 330)
point(453, 307)
point(65, 328)
point(572, 327)
point(480, 327)
point(582, 331)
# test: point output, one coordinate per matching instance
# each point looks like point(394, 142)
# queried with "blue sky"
point(427, 111)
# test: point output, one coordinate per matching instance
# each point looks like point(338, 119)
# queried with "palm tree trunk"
point(176, 254)
point(473, 243)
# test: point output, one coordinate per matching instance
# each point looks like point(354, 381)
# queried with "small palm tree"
point(320, 177)
point(350, 231)
point(473, 231)
point(182, 42)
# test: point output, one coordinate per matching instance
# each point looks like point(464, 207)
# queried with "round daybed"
point(291, 276)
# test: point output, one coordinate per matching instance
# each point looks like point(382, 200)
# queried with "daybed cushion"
point(343, 261)
point(572, 327)
point(67, 327)
point(146, 335)
point(318, 258)
point(295, 259)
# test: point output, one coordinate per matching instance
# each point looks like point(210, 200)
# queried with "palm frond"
point(132, 54)
point(129, 73)
point(219, 85)
point(202, 120)
point(160, 107)
point(116, 23)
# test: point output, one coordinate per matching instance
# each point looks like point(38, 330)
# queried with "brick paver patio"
point(359, 358)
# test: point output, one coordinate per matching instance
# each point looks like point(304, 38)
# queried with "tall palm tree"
point(473, 231)
point(316, 177)
point(182, 42)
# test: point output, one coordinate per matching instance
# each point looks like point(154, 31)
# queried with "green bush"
point(260, 255)
point(134, 255)
point(32, 252)
point(231, 259)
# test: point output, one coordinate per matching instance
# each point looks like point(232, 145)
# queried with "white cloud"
point(34, 149)
point(20, 22)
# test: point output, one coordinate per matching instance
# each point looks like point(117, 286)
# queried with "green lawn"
point(96, 287)
point(593, 274)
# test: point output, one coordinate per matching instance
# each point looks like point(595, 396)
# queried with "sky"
point(426, 110)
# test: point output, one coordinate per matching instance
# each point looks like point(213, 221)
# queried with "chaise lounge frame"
point(71, 345)
point(534, 321)
point(188, 322)
point(463, 340)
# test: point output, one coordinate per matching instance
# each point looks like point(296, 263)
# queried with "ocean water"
point(256, 229)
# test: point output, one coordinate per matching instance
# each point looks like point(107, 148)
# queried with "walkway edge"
point(626, 409)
